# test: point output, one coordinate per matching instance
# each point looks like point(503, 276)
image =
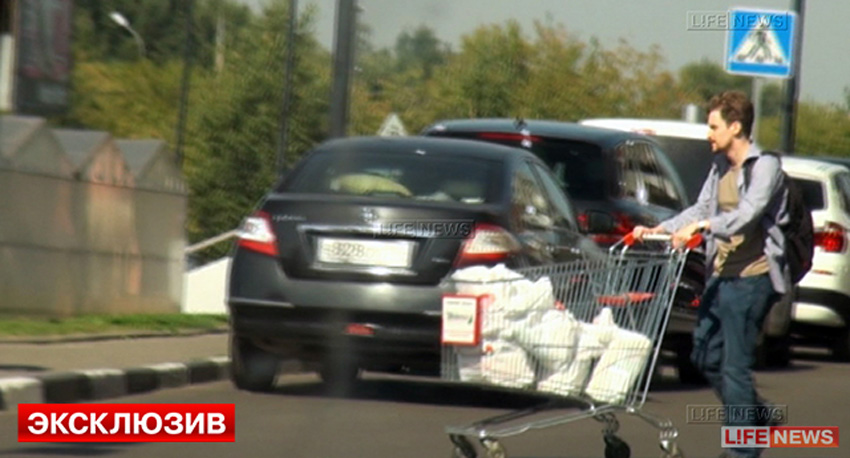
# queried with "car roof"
point(843, 161)
point(437, 146)
point(548, 128)
point(664, 127)
point(810, 166)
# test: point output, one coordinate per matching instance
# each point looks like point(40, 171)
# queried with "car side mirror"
point(599, 222)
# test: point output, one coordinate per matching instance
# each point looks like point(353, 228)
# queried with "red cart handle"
point(692, 242)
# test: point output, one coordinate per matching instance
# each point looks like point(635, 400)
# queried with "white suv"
point(821, 308)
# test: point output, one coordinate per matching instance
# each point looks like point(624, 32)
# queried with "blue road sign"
point(761, 43)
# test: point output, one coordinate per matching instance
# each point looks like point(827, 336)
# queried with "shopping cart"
point(586, 334)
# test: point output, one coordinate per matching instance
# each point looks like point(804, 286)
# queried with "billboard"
point(43, 39)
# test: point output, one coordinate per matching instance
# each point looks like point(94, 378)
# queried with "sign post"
point(767, 43)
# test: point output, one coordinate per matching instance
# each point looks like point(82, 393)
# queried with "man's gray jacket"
point(762, 202)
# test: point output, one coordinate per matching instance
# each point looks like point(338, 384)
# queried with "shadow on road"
point(419, 390)
point(21, 368)
point(69, 449)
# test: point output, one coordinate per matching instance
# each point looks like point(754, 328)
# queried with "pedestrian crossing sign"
point(761, 43)
point(392, 127)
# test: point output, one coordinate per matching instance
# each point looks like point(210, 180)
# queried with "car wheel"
point(841, 346)
point(773, 352)
point(251, 368)
point(339, 375)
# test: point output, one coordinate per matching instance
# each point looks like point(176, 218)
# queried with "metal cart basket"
point(586, 333)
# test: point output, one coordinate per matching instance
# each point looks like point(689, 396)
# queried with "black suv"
point(342, 264)
point(625, 175)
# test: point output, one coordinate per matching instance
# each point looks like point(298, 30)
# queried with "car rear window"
point(578, 167)
point(400, 175)
point(812, 191)
point(692, 159)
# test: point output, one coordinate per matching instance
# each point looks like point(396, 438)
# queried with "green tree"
point(821, 129)
point(231, 161)
point(484, 78)
point(161, 25)
point(702, 80)
point(420, 49)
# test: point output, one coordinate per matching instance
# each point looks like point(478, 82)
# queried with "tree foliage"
point(701, 80)
point(235, 109)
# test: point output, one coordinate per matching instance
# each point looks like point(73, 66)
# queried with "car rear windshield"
point(401, 175)
point(579, 167)
point(812, 191)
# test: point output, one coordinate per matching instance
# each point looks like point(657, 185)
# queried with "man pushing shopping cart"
point(743, 210)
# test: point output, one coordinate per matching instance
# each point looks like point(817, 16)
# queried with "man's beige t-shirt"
point(743, 254)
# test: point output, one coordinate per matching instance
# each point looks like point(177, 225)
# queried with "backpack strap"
point(748, 166)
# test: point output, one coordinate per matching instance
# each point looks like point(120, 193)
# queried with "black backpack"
point(799, 230)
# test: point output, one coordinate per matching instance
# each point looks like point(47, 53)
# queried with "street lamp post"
point(119, 19)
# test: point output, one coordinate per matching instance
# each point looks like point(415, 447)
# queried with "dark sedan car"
point(341, 265)
point(625, 175)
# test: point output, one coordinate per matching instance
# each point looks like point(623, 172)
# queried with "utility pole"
point(344, 43)
point(286, 109)
point(789, 118)
point(184, 83)
point(757, 84)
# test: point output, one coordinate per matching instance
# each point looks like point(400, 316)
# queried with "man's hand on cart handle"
point(639, 232)
point(688, 237)
point(685, 235)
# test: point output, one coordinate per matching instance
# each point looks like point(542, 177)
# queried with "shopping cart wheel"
point(494, 448)
point(671, 449)
point(616, 447)
point(462, 447)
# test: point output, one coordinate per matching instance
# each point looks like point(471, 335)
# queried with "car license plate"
point(396, 253)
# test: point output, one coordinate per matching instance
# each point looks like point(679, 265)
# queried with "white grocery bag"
point(513, 298)
point(552, 337)
point(620, 366)
point(506, 364)
point(604, 326)
point(469, 364)
point(570, 378)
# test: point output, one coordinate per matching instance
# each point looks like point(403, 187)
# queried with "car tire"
point(688, 373)
point(773, 352)
point(339, 376)
point(251, 369)
point(841, 346)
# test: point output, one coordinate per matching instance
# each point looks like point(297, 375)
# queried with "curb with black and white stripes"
point(98, 384)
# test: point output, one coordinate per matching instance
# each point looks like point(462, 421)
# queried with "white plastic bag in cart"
point(604, 326)
point(513, 298)
point(506, 364)
point(570, 378)
point(619, 367)
point(551, 338)
point(469, 364)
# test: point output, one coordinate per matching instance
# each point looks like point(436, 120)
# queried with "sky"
point(825, 58)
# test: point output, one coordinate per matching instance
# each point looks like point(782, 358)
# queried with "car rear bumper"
point(375, 324)
point(257, 279)
point(819, 307)
point(314, 335)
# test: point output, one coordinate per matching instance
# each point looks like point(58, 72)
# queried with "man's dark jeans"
point(730, 318)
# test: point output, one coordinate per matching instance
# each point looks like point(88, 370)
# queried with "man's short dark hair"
point(734, 106)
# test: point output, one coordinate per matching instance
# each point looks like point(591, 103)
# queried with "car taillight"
point(623, 225)
point(508, 136)
point(830, 238)
point(486, 244)
point(256, 234)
